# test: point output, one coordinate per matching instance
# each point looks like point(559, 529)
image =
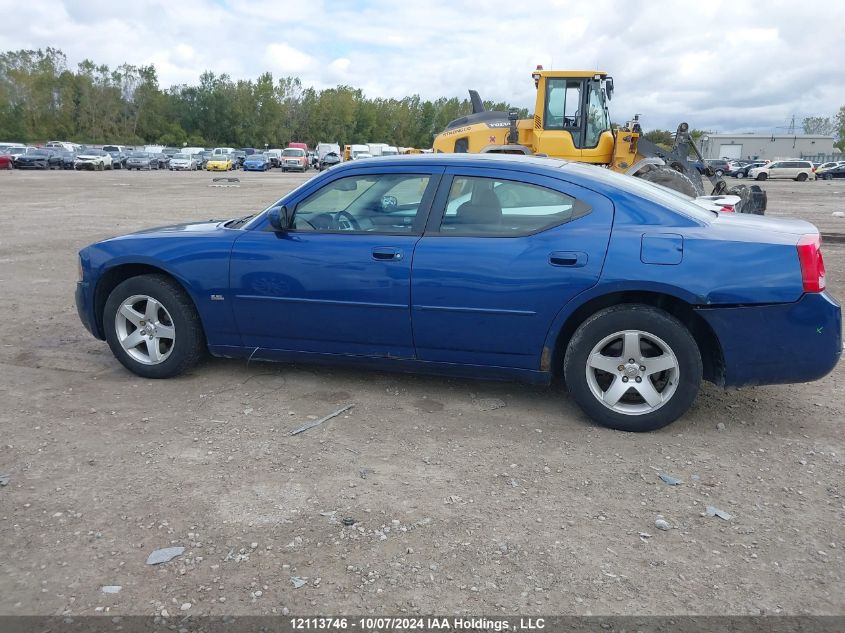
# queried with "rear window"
point(654, 193)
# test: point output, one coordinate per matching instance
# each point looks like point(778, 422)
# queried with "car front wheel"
point(762, 176)
point(740, 174)
point(152, 327)
point(633, 368)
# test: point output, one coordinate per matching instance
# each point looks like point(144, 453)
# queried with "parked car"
point(141, 161)
point(39, 159)
point(546, 267)
point(118, 158)
point(831, 172)
point(800, 170)
point(742, 172)
point(203, 158)
point(6, 160)
point(93, 159)
point(256, 162)
point(720, 165)
point(16, 150)
point(330, 159)
point(182, 162)
point(828, 165)
point(68, 159)
point(238, 157)
point(220, 162)
point(294, 159)
point(275, 157)
point(163, 160)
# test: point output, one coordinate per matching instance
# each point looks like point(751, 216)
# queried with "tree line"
point(42, 99)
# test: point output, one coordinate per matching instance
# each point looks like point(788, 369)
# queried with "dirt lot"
point(460, 506)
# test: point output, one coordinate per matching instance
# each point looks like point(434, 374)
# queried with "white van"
point(326, 148)
point(359, 151)
point(223, 150)
point(190, 151)
point(795, 169)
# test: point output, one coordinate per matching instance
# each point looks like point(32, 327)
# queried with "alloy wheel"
point(145, 329)
point(632, 372)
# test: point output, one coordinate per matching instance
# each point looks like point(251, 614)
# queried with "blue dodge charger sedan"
point(486, 266)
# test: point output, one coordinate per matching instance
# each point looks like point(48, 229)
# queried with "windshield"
point(219, 157)
point(39, 152)
point(111, 148)
point(138, 155)
point(255, 157)
point(181, 157)
point(293, 152)
point(361, 155)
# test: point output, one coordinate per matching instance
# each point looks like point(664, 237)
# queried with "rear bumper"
point(775, 344)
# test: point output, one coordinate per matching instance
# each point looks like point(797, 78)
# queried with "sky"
point(734, 66)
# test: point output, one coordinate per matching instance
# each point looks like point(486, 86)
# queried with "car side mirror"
point(279, 218)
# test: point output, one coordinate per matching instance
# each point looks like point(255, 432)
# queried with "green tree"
point(818, 125)
point(660, 137)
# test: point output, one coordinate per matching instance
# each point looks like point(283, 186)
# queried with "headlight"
point(79, 268)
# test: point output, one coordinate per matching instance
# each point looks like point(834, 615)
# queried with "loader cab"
point(571, 117)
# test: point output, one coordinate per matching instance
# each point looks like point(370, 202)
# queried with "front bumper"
point(85, 307)
point(216, 168)
point(776, 344)
point(293, 166)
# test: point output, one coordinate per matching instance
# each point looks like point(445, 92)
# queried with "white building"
point(765, 146)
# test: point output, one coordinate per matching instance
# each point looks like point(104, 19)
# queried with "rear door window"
point(493, 207)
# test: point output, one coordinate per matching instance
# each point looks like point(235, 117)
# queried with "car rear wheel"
point(740, 174)
point(152, 327)
point(826, 176)
point(633, 368)
point(801, 177)
point(762, 176)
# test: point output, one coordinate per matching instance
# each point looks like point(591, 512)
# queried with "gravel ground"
point(468, 497)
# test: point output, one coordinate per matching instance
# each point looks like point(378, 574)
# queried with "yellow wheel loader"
point(572, 121)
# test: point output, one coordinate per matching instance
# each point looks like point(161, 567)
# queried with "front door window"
point(372, 203)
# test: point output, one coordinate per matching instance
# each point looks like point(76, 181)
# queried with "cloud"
point(288, 60)
point(718, 65)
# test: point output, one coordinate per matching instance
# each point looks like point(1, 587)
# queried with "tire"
point(801, 177)
point(762, 176)
point(674, 389)
point(740, 174)
point(825, 177)
point(673, 179)
point(175, 315)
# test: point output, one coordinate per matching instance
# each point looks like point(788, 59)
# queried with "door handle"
point(572, 259)
point(386, 253)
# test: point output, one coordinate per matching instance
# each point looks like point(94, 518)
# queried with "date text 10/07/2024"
point(433, 623)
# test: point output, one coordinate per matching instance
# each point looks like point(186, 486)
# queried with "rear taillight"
point(812, 262)
point(728, 208)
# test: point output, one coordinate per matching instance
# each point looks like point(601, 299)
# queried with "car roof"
point(506, 161)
